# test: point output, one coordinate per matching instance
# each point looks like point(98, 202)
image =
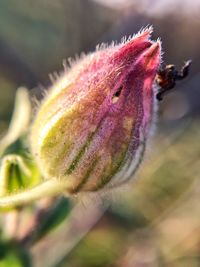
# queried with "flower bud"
point(92, 127)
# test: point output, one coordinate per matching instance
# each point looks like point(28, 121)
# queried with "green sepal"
point(17, 173)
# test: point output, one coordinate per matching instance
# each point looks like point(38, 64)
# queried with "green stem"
point(48, 188)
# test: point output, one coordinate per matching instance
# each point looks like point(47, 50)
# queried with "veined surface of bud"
point(92, 127)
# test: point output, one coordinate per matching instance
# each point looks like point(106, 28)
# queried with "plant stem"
point(48, 188)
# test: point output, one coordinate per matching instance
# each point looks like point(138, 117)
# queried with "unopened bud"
point(93, 126)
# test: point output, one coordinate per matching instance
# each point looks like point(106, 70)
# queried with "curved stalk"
point(48, 188)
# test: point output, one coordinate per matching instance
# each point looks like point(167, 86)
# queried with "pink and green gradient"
point(93, 126)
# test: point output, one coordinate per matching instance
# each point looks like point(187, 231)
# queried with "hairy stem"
point(48, 188)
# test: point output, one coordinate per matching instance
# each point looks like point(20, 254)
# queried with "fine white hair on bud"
point(91, 129)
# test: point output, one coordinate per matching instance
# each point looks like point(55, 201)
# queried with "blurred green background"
point(154, 221)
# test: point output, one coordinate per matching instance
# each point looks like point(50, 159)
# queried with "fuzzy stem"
point(48, 188)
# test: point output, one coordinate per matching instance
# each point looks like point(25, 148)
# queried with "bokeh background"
point(154, 221)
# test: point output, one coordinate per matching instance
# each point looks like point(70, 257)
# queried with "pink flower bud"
point(93, 126)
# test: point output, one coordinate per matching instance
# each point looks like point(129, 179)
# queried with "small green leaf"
point(20, 120)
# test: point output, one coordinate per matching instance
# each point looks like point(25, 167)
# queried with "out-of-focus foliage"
point(13, 255)
point(152, 222)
